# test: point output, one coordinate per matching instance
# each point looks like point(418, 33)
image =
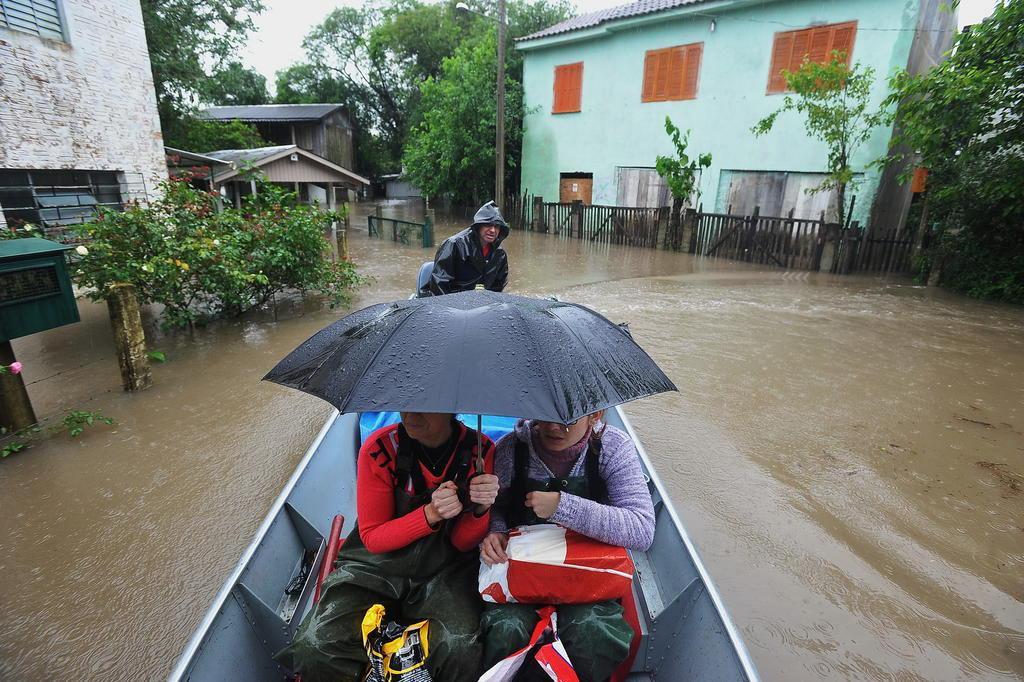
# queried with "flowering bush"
point(13, 368)
point(200, 262)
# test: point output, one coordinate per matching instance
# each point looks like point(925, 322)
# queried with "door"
point(576, 187)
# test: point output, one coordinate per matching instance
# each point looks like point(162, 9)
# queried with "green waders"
point(428, 579)
point(596, 636)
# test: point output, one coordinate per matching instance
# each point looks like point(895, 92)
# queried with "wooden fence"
point(612, 224)
point(788, 241)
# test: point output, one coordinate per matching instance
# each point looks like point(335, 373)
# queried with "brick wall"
point(87, 103)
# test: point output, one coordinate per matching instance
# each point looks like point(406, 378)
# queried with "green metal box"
point(35, 290)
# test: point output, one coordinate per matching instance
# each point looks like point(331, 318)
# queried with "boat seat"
point(423, 279)
point(493, 427)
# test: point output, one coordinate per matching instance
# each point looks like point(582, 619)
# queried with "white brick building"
point(78, 115)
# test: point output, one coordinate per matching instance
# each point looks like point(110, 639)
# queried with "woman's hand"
point(492, 549)
point(543, 504)
point(483, 490)
point(445, 502)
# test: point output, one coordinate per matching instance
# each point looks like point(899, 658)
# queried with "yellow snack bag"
point(396, 653)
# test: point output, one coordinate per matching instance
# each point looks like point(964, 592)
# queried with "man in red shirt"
point(423, 509)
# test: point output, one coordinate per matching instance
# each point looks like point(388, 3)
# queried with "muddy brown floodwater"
point(847, 454)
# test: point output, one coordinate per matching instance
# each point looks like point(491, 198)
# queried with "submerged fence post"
point(343, 242)
point(129, 337)
point(577, 216)
point(16, 411)
point(538, 214)
point(428, 228)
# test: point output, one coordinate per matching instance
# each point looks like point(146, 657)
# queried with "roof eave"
point(234, 171)
point(627, 23)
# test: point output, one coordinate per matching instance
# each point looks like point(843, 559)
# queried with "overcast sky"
point(277, 41)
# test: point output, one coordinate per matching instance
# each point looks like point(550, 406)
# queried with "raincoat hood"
point(488, 214)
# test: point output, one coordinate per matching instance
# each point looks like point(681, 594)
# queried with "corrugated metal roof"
point(592, 19)
point(247, 155)
point(271, 112)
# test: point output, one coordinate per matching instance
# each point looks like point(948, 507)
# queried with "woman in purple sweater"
point(586, 477)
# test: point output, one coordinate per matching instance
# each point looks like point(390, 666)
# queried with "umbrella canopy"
point(475, 351)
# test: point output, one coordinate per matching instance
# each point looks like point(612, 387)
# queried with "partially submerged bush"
point(200, 263)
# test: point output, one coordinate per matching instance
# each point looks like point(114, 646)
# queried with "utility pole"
point(499, 142)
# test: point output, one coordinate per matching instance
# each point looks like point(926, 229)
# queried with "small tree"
point(682, 173)
point(834, 100)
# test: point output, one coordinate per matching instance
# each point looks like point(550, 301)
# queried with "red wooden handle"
point(334, 543)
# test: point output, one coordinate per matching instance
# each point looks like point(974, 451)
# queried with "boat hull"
point(686, 632)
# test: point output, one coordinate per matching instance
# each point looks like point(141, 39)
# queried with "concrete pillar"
point(686, 235)
point(16, 411)
point(129, 337)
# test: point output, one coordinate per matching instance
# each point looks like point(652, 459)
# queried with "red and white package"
point(549, 564)
point(547, 649)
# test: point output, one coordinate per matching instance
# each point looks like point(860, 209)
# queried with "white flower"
point(81, 250)
point(216, 242)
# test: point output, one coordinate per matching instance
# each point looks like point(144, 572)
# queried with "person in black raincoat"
point(473, 256)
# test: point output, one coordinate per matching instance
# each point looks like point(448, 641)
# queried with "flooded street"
point(846, 453)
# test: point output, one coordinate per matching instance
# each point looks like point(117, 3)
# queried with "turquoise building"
point(598, 88)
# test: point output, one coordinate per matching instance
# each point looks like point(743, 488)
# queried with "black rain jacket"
point(459, 264)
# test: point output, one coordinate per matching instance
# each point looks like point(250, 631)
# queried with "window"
point(671, 73)
point(641, 187)
point(40, 17)
point(54, 199)
point(816, 44)
point(568, 88)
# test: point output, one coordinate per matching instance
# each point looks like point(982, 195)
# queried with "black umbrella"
point(475, 351)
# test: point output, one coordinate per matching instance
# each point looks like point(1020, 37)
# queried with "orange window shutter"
point(576, 93)
point(650, 67)
point(568, 78)
point(801, 45)
point(661, 77)
point(842, 39)
point(676, 58)
point(920, 181)
point(556, 105)
point(781, 51)
point(691, 71)
point(820, 40)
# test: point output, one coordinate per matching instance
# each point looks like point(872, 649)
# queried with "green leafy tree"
point(451, 150)
point(306, 84)
point(375, 57)
point(185, 37)
point(235, 84)
point(203, 135)
point(963, 121)
point(200, 262)
point(681, 172)
point(835, 101)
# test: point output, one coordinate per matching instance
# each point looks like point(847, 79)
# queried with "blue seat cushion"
point(493, 427)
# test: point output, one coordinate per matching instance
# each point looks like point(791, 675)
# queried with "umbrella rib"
point(377, 352)
point(542, 356)
point(586, 347)
point(309, 377)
